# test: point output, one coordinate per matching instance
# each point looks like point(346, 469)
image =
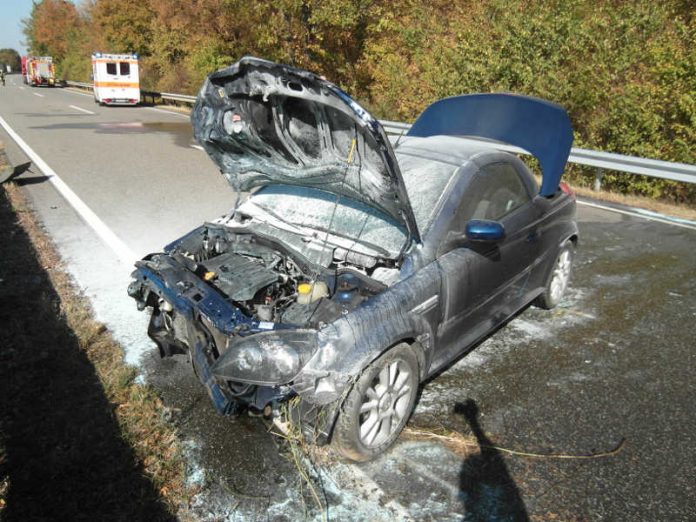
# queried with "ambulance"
point(116, 80)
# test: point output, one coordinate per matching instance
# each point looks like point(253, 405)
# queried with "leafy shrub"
point(624, 70)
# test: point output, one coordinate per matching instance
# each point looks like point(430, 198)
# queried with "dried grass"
point(139, 413)
point(668, 209)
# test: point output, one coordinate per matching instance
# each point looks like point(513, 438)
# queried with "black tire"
point(361, 435)
point(558, 277)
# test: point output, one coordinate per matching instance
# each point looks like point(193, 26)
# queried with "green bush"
point(624, 70)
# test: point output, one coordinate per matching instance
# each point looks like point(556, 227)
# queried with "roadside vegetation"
point(10, 57)
point(625, 71)
point(79, 437)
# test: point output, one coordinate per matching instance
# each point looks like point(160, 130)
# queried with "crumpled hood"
point(264, 123)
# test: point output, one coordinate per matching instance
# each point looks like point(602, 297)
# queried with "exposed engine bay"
point(256, 297)
point(269, 284)
point(217, 286)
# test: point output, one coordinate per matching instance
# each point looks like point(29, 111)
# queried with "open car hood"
point(264, 123)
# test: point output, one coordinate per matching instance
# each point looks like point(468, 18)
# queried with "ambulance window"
point(111, 68)
point(125, 68)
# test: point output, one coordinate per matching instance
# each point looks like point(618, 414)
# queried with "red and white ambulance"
point(116, 79)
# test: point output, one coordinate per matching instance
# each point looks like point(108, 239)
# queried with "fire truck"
point(38, 70)
point(116, 79)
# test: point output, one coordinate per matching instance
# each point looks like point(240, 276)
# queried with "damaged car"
point(352, 269)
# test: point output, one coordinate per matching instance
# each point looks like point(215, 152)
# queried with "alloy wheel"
point(561, 275)
point(386, 403)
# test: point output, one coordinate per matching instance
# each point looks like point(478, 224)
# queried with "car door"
point(485, 282)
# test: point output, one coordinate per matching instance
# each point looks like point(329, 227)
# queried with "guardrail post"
point(599, 174)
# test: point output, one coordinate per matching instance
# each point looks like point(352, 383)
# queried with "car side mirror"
point(484, 230)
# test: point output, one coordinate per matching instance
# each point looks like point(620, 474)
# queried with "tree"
point(122, 26)
point(625, 71)
point(11, 57)
point(51, 26)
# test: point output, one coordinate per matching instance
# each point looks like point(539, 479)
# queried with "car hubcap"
point(385, 403)
point(561, 274)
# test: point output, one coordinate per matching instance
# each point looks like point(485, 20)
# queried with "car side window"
point(495, 192)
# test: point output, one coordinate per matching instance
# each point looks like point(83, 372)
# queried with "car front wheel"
point(378, 405)
point(557, 280)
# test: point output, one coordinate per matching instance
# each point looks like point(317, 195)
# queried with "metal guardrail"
point(78, 84)
point(185, 98)
point(601, 161)
point(177, 97)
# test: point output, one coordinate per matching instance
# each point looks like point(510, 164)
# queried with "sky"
point(11, 14)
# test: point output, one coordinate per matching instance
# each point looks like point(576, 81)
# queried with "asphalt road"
point(614, 362)
point(132, 166)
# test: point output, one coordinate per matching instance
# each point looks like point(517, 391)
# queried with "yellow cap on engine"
point(304, 288)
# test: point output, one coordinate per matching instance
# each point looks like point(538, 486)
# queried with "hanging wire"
point(367, 215)
point(349, 162)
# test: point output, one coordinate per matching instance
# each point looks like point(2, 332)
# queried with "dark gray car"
point(354, 269)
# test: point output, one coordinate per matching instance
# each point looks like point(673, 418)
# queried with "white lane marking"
point(70, 89)
point(169, 112)
point(650, 213)
point(37, 94)
point(80, 109)
point(21, 88)
point(124, 253)
point(663, 219)
point(197, 147)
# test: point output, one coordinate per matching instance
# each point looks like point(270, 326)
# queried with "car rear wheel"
point(378, 405)
point(557, 280)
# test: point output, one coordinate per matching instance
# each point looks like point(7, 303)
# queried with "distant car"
point(355, 269)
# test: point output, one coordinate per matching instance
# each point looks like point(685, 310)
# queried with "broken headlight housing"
point(267, 358)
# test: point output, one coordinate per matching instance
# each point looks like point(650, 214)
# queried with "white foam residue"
point(196, 477)
point(111, 304)
point(529, 328)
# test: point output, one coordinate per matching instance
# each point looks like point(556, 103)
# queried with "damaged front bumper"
point(241, 361)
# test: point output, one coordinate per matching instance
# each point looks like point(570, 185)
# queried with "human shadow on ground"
point(487, 490)
point(62, 452)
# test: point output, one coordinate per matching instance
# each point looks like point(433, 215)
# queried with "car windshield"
point(319, 210)
point(427, 166)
